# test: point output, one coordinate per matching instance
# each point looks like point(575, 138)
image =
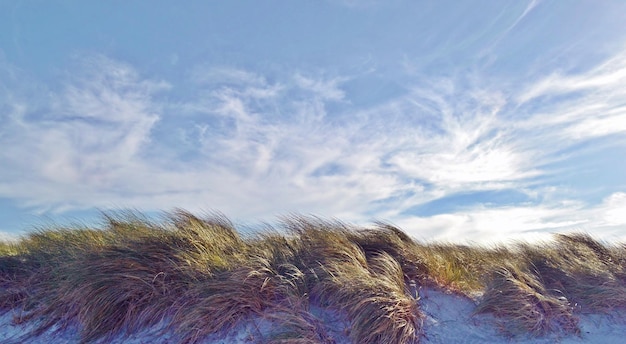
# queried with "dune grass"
point(202, 278)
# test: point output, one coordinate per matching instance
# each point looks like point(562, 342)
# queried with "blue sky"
point(456, 120)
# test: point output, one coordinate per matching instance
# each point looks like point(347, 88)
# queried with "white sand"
point(449, 319)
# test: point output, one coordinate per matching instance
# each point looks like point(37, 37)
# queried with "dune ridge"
point(197, 279)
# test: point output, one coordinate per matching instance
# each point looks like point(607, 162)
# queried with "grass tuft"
point(201, 278)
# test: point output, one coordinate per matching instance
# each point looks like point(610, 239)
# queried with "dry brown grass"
point(461, 268)
point(524, 305)
point(351, 272)
point(199, 276)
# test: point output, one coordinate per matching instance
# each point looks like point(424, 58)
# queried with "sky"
point(462, 121)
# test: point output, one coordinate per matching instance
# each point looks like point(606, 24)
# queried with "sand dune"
point(449, 319)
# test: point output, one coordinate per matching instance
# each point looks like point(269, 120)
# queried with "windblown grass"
point(199, 276)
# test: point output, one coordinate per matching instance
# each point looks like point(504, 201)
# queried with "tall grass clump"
point(543, 287)
point(525, 305)
point(589, 274)
point(461, 268)
point(119, 279)
point(201, 278)
point(353, 273)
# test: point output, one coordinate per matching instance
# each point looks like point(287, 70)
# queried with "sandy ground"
point(449, 319)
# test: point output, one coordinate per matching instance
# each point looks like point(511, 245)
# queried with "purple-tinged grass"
point(202, 279)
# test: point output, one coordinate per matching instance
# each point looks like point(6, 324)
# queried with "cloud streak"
point(255, 148)
point(80, 140)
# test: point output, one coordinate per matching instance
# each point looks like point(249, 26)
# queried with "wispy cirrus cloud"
point(582, 105)
point(254, 146)
point(77, 141)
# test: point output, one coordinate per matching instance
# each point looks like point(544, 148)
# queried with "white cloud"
point(529, 8)
point(256, 148)
point(82, 139)
point(608, 74)
point(611, 211)
point(324, 89)
point(590, 104)
point(456, 140)
point(6, 236)
point(525, 222)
